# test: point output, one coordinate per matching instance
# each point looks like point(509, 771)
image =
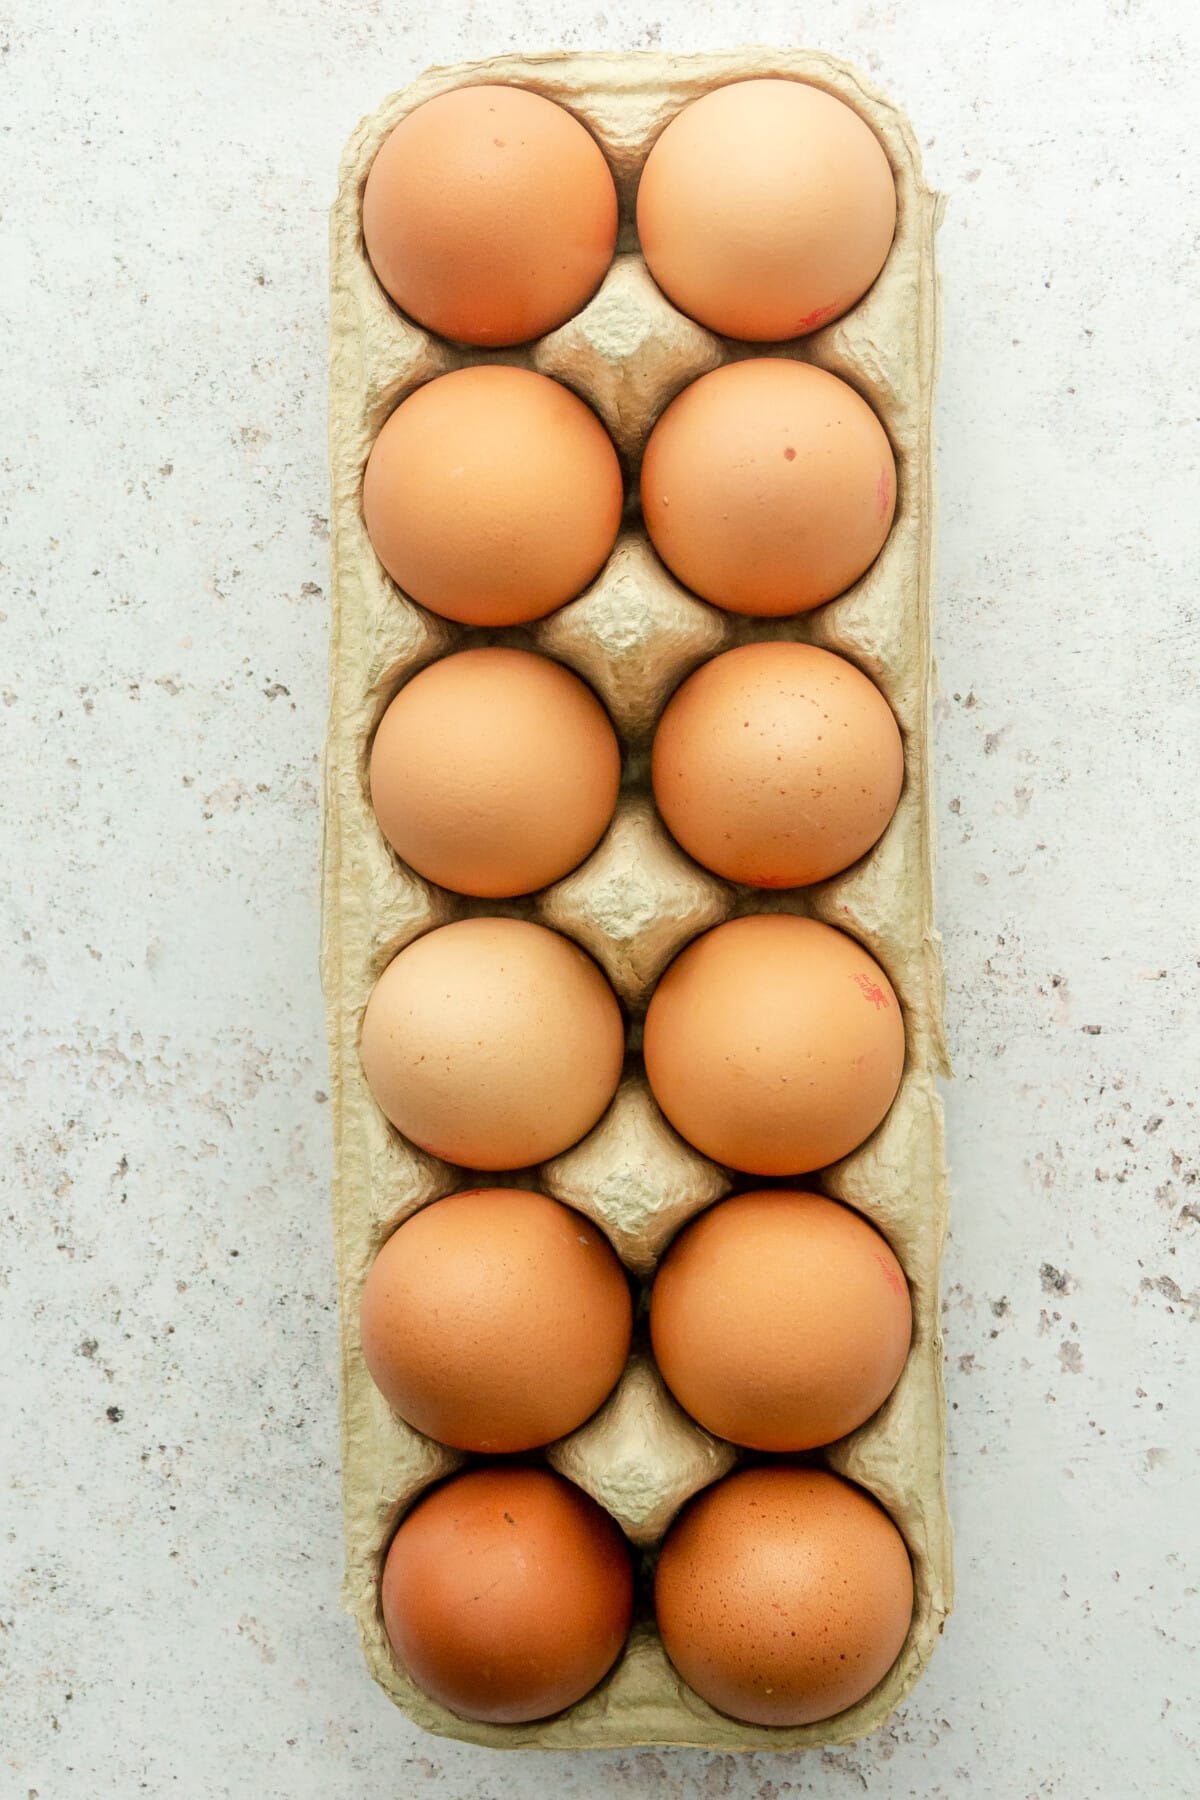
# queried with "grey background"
point(169, 1509)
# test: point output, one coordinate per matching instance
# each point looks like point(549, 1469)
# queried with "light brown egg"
point(774, 1044)
point(496, 1320)
point(494, 772)
point(507, 1594)
point(783, 1595)
point(777, 764)
point(766, 209)
point(768, 487)
point(490, 215)
point(492, 495)
point(780, 1320)
point(493, 1043)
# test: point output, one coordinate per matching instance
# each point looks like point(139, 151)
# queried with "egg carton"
point(633, 635)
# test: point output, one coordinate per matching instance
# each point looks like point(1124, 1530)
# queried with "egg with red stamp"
point(766, 209)
point(768, 487)
point(774, 1044)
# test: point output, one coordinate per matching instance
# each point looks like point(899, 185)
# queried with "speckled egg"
point(777, 764)
point(783, 1595)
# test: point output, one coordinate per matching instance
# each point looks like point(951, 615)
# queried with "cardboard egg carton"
point(633, 635)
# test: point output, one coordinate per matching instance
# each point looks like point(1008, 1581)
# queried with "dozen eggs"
point(496, 1319)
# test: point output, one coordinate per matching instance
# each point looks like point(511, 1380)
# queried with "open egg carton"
point(634, 635)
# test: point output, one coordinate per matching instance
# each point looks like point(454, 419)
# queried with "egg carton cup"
point(633, 635)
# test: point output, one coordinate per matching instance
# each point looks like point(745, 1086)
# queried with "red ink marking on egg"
point(872, 990)
point(813, 319)
point(893, 1278)
point(883, 493)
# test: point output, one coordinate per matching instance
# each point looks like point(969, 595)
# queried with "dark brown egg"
point(507, 1594)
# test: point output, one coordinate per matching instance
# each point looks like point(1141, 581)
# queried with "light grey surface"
point(169, 1527)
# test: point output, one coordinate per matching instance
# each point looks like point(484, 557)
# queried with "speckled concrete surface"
point(169, 1529)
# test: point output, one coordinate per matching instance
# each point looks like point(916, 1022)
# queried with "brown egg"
point(768, 487)
point(490, 215)
point(780, 1320)
point(507, 1594)
point(492, 495)
point(777, 764)
point(766, 209)
point(774, 1044)
point(493, 1043)
point(496, 1320)
point(783, 1595)
point(494, 772)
